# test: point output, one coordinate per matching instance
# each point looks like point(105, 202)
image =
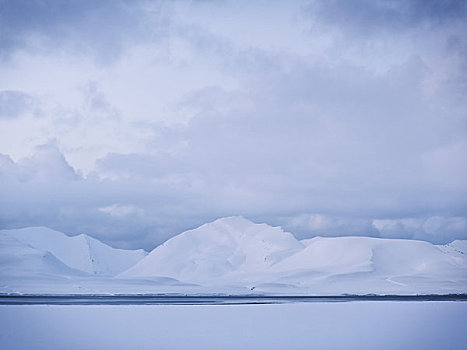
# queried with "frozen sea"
point(291, 325)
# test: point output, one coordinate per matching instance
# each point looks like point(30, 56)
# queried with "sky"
point(132, 121)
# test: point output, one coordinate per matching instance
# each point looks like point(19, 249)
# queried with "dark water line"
point(148, 299)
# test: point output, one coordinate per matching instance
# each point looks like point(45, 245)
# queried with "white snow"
point(235, 251)
point(230, 255)
point(80, 252)
point(214, 250)
point(20, 259)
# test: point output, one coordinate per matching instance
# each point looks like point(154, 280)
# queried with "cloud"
point(101, 28)
point(47, 164)
point(306, 225)
point(137, 212)
point(372, 17)
point(351, 111)
point(288, 132)
point(13, 104)
point(44, 190)
point(121, 211)
point(437, 229)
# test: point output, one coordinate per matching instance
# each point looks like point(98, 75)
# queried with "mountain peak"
point(233, 221)
point(217, 248)
point(80, 252)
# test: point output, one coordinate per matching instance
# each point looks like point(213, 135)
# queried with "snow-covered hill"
point(230, 255)
point(82, 253)
point(226, 246)
point(235, 251)
point(20, 260)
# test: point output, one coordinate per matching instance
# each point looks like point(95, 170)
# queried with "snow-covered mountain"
point(230, 255)
point(43, 247)
point(226, 246)
point(235, 251)
point(20, 260)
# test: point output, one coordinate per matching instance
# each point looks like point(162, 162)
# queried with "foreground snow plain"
point(338, 325)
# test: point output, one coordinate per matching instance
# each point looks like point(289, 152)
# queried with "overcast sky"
point(132, 121)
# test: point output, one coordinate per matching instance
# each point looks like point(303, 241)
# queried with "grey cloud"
point(306, 225)
point(338, 140)
point(100, 27)
point(438, 229)
point(456, 86)
point(96, 103)
point(135, 212)
point(45, 165)
point(94, 98)
point(137, 165)
point(374, 153)
point(44, 190)
point(368, 17)
point(15, 103)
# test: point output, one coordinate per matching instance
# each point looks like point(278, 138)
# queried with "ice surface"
point(352, 325)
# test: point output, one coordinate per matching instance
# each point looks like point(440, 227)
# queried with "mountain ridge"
point(80, 252)
point(235, 255)
point(273, 257)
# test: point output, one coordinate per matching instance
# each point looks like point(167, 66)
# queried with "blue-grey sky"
point(132, 121)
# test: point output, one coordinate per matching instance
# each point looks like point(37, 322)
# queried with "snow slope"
point(226, 246)
point(81, 252)
point(235, 251)
point(230, 255)
point(18, 259)
point(364, 264)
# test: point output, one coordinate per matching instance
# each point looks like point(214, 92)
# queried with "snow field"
point(348, 325)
